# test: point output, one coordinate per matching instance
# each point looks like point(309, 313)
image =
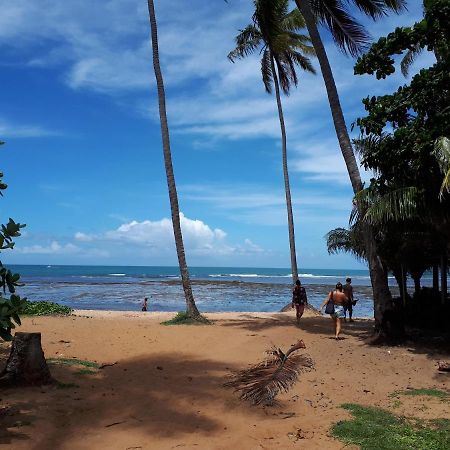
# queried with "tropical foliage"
point(404, 143)
point(10, 308)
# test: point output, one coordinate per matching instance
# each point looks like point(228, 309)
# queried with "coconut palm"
point(350, 37)
point(192, 310)
point(274, 33)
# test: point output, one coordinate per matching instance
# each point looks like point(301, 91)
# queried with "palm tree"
point(275, 33)
point(192, 310)
point(350, 37)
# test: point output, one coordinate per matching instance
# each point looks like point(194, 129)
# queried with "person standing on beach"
point(348, 291)
point(299, 299)
point(338, 299)
point(145, 304)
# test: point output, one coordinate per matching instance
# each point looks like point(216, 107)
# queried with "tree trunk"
point(381, 294)
point(436, 277)
point(26, 364)
point(400, 278)
point(192, 310)
point(287, 188)
point(417, 286)
point(444, 268)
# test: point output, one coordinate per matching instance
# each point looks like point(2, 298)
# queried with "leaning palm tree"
point(274, 33)
point(352, 38)
point(192, 311)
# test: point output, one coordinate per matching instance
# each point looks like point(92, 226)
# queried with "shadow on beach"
point(361, 329)
point(161, 395)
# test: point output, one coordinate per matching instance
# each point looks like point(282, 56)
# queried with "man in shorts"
point(299, 300)
point(348, 291)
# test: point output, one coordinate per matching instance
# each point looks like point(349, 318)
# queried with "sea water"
point(215, 289)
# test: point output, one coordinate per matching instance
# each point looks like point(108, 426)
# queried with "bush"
point(182, 319)
point(43, 308)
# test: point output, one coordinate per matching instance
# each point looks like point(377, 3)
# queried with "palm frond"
point(338, 240)
point(247, 41)
point(293, 21)
point(301, 42)
point(396, 205)
point(303, 61)
point(409, 58)
point(442, 154)
point(378, 8)
point(283, 74)
point(349, 35)
point(396, 5)
point(261, 383)
point(349, 241)
point(366, 145)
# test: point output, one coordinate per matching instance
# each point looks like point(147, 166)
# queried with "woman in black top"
point(299, 299)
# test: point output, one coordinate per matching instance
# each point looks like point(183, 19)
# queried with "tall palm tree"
point(274, 33)
point(192, 310)
point(350, 37)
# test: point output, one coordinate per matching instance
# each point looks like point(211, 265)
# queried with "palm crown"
point(349, 35)
point(275, 33)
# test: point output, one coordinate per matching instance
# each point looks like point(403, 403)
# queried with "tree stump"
point(26, 364)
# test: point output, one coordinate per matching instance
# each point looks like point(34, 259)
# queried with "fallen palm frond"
point(261, 383)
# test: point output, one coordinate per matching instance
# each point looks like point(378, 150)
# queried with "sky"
point(83, 156)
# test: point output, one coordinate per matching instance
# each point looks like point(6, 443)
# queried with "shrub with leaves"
point(11, 307)
point(43, 308)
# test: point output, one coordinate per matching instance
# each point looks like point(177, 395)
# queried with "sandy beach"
point(162, 386)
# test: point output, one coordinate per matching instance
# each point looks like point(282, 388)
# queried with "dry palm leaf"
point(261, 383)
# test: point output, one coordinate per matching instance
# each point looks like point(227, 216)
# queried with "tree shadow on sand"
point(361, 329)
point(161, 395)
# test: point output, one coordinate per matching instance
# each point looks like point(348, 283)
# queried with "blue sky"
point(83, 158)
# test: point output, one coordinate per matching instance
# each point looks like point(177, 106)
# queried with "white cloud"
point(10, 130)
point(156, 238)
point(53, 248)
point(83, 237)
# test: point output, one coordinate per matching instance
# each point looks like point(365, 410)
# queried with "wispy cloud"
point(10, 130)
point(106, 47)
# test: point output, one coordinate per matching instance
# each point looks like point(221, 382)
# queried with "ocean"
point(122, 288)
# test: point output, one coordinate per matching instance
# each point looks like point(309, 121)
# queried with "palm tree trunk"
point(378, 275)
point(287, 188)
point(444, 269)
point(417, 287)
point(435, 277)
point(192, 310)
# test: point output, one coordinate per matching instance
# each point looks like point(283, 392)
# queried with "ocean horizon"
point(216, 289)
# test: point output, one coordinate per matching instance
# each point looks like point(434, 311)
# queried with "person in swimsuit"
point(145, 304)
point(340, 300)
point(299, 299)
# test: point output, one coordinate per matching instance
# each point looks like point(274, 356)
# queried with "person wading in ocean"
point(299, 300)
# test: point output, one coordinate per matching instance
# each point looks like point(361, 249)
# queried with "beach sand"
point(166, 389)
